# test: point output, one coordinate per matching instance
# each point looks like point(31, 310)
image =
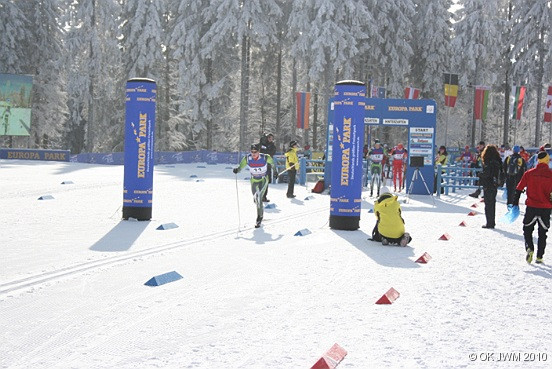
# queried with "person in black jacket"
point(514, 167)
point(490, 179)
point(268, 147)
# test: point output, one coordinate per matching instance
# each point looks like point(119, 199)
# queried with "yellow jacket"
point(291, 158)
point(388, 212)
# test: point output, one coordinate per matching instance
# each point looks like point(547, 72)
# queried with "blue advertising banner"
point(419, 117)
point(139, 150)
point(348, 140)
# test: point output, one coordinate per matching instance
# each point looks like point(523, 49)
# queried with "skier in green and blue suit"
point(258, 168)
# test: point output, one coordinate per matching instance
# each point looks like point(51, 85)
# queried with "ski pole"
point(293, 166)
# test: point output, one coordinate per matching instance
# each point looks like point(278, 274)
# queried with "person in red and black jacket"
point(538, 182)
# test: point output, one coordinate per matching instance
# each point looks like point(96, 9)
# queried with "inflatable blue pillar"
point(139, 139)
point(348, 141)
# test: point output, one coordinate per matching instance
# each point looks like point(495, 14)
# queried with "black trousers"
point(376, 236)
point(269, 175)
point(532, 216)
point(291, 181)
point(490, 205)
point(511, 183)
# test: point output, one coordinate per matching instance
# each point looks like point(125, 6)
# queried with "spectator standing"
point(490, 180)
point(514, 167)
point(268, 147)
point(442, 159)
point(477, 164)
point(538, 182)
point(292, 165)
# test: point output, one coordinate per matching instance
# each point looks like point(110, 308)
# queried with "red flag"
point(303, 102)
point(411, 93)
point(480, 102)
point(548, 106)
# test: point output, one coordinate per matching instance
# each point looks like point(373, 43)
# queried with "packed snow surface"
point(72, 276)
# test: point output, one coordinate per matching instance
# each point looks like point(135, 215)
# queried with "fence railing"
point(309, 169)
point(454, 177)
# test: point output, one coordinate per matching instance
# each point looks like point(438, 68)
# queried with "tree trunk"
point(294, 100)
point(209, 118)
point(244, 93)
point(315, 122)
point(279, 93)
point(90, 130)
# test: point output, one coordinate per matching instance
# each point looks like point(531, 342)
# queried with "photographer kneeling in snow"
point(389, 227)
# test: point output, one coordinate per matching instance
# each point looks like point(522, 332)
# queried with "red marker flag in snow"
point(411, 93)
point(331, 358)
point(303, 102)
point(548, 106)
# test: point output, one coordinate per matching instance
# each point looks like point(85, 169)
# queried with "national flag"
point(451, 89)
point(480, 102)
point(374, 91)
point(303, 102)
point(548, 106)
point(516, 101)
point(411, 93)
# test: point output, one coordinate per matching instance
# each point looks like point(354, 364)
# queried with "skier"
point(292, 165)
point(514, 167)
point(538, 182)
point(399, 155)
point(389, 227)
point(268, 147)
point(6, 117)
point(258, 167)
point(376, 156)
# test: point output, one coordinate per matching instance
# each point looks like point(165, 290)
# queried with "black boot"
point(259, 220)
point(476, 193)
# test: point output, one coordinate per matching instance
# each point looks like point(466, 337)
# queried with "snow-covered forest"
point(228, 70)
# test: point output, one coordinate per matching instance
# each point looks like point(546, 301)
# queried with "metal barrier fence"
point(309, 169)
point(454, 177)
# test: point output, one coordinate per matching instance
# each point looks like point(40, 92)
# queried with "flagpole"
point(446, 125)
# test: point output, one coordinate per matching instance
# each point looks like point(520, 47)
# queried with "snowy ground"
point(72, 276)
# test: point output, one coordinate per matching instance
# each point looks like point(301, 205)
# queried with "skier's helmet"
point(255, 147)
point(292, 144)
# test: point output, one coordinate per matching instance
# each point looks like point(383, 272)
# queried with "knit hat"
point(543, 157)
point(384, 190)
point(515, 148)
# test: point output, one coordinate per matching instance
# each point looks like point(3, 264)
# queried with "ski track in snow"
point(72, 279)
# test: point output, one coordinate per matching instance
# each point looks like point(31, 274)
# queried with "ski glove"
point(235, 170)
point(516, 198)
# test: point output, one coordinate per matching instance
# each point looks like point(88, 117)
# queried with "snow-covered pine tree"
point(478, 47)
point(44, 55)
point(433, 56)
point(95, 89)
point(532, 32)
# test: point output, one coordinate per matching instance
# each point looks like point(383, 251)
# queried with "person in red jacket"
point(538, 182)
